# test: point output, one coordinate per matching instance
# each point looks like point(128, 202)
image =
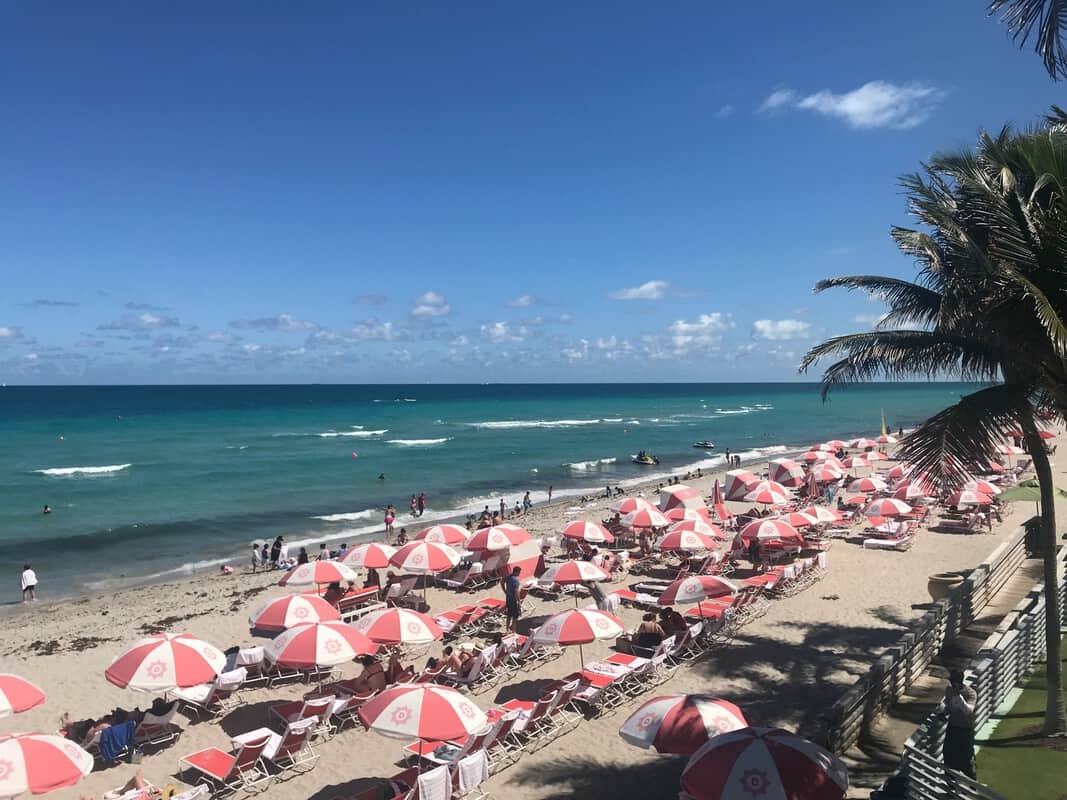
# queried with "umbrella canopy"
point(835, 444)
point(911, 490)
point(398, 626)
point(709, 529)
point(17, 695)
point(681, 723)
point(824, 514)
point(985, 487)
point(685, 541)
point(567, 572)
point(318, 644)
point(165, 661)
point(1010, 450)
point(822, 447)
point(422, 711)
point(965, 498)
point(886, 438)
point(679, 513)
point(826, 474)
point(318, 572)
point(1046, 434)
point(867, 485)
point(645, 518)
point(862, 444)
point(738, 483)
point(887, 507)
point(680, 496)
point(716, 493)
point(855, 500)
point(901, 470)
point(856, 462)
point(695, 589)
point(764, 763)
point(628, 504)
point(767, 493)
point(786, 472)
point(799, 519)
point(452, 535)
point(526, 556)
point(285, 612)
point(578, 626)
point(815, 455)
point(498, 537)
point(874, 455)
point(369, 556)
point(38, 763)
point(423, 558)
point(763, 529)
point(592, 532)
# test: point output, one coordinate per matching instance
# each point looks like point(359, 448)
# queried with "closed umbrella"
point(716, 493)
point(681, 723)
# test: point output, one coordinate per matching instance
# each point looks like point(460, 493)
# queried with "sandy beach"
point(783, 669)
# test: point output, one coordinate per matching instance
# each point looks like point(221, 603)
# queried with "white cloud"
point(460, 341)
point(577, 351)
point(9, 333)
point(610, 343)
point(877, 104)
point(282, 322)
point(780, 329)
point(566, 318)
point(869, 319)
point(430, 304)
point(221, 337)
point(649, 290)
point(724, 111)
point(503, 332)
point(522, 301)
point(146, 321)
point(705, 330)
point(371, 330)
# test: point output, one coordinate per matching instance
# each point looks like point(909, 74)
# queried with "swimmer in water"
point(381, 476)
point(47, 509)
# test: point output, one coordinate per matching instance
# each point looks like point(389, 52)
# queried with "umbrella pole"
point(581, 658)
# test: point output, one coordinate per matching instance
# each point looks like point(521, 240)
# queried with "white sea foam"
point(533, 423)
point(729, 411)
point(65, 471)
point(360, 433)
point(418, 442)
point(617, 419)
point(594, 464)
point(351, 516)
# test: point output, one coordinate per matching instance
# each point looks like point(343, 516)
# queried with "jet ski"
point(644, 459)
point(707, 444)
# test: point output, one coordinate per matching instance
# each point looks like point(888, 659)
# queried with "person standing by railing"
point(960, 701)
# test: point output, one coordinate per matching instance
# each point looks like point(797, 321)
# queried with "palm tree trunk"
point(1055, 712)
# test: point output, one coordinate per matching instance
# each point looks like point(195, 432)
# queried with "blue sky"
point(375, 192)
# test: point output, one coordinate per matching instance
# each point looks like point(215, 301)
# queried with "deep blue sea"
point(157, 481)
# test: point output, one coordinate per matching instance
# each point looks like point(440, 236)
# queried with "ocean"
point(150, 482)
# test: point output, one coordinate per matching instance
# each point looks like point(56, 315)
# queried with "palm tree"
point(989, 304)
point(1046, 20)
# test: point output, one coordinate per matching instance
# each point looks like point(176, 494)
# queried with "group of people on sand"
point(84, 731)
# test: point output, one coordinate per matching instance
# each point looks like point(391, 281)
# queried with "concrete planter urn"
point(940, 584)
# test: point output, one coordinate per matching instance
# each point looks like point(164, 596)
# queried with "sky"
point(484, 191)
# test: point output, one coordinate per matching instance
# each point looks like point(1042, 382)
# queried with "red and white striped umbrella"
point(979, 485)
point(17, 695)
point(369, 556)
point(680, 513)
point(318, 572)
point(909, 490)
point(716, 494)
point(763, 529)
point(592, 532)
point(578, 626)
point(695, 589)
point(813, 456)
point(739, 482)
point(900, 471)
point(966, 498)
point(285, 612)
point(39, 763)
point(887, 507)
point(798, 519)
point(862, 444)
point(764, 764)
point(1046, 434)
point(835, 444)
point(786, 471)
point(645, 518)
point(826, 474)
point(629, 504)
point(767, 493)
point(856, 462)
point(875, 455)
point(398, 626)
point(681, 723)
point(422, 711)
point(498, 537)
point(993, 466)
point(424, 558)
point(1010, 450)
point(823, 514)
point(452, 535)
point(318, 644)
point(709, 529)
point(166, 661)
point(855, 500)
point(567, 572)
point(685, 540)
point(885, 438)
point(867, 485)
point(680, 496)
point(822, 447)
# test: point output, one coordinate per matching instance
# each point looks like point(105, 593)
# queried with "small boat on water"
point(645, 460)
point(707, 444)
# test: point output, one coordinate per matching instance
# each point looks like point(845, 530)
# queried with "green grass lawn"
point(1014, 761)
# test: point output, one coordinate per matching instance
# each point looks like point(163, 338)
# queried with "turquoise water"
point(149, 481)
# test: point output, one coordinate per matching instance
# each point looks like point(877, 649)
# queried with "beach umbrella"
point(398, 626)
point(991, 466)
point(685, 541)
point(526, 556)
point(856, 462)
point(629, 504)
point(822, 447)
point(17, 695)
point(738, 484)
point(680, 496)
point(645, 518)
point(568, 572)
point(855, 500)
point(886, 438)
point(798, 519)
point(424, 711)
point(285, 612)
point(763, 529)
point(39, 763)
point(900, 471)
point(452, 535)
point(1010, 450)
point(767, 493)
point(835, 444)
point(867, 485)
point(966, 498)
point(681, 723)
point(786, 472)
point(862, 444)
point(424, 558)
point(317, 573)
point(695, 589)
point(887, 507)
point(911, 490)
point(1016, 434)
point(875, 455)
point(814, 455)
point(369, 556)
point(498, 537)
point(708, 529)
point(763, 764)
point(318, 644)
point(578, 626)
point(826, 474)
point(716, 494)
point(164, 662)
point(679, 513)
point(1046, 434)
point(591, 532)
point(978, 485)
point(824, 514)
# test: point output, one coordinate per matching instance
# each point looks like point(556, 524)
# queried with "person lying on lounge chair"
point(457, 662)
point(649, 632)
point(396, 672)
point(372, 678)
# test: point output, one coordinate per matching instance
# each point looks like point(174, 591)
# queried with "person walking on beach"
point(503, 508)
point(390, 516)
point(29, 584)
point(512, 607)
point(527, 503)
point(275, 552)
point(960, 700)
point(422, 503)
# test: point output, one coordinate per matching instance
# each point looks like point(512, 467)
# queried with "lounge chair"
point(214, 699)
point(254, 661)
point(289, 753)
point(315, 708)
point(471, 772)
point(154, 731)
point(434, 785)
point(237, 769)
point(399, 594)
point(900, 543)
point(461, 579)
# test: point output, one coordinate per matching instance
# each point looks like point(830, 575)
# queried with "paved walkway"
point(878, 753)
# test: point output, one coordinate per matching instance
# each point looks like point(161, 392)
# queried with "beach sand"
point(785, 668)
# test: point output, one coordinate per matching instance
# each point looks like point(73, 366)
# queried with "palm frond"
point(1046, 312)
point(1045, 21)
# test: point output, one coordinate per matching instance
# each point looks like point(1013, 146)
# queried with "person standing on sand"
point(512, 607)
point(29, 584)
point(959, 734)
point(275, 552)
point(550, 492)
point(526, 502)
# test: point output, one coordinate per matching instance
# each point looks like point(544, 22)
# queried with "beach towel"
point(115, 740)
point(473, 771)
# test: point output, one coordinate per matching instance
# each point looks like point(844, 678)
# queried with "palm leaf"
point(1045, 21)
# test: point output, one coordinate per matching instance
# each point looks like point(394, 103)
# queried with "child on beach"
point(29, 584)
